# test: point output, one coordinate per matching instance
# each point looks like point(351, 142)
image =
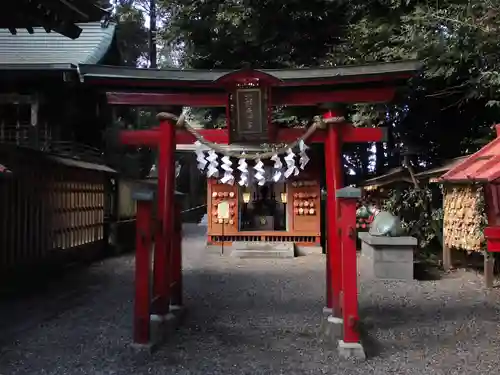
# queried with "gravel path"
point(251, 317)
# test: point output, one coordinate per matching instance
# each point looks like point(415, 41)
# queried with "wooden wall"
point(49, 211)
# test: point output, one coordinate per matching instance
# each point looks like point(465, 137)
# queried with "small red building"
point(472, 220)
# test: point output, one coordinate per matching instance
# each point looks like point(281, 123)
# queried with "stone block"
point(331, 328)
point(394, 254)
point(270, 250)
point(351, 350)
point(393, 271)
point(161, 327)
point(309, 250)
point(388, 257)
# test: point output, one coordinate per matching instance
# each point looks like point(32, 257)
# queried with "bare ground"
point(250, 317)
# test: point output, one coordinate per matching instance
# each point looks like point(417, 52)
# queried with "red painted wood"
point(166, 84)
point(168, 141)
point(176, 260)
point(292, 96)
point(482, 166)
point(492, 235)
point(140, 137)
point(297, 97)
point(334, 176)
point(350, 134)
point(165, 137)
point(142, 273)
point(245, 76)
point(329, 290)
point(349, 270)
point(216, 99)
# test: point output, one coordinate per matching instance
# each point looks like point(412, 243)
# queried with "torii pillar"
point(336, 128)
point(163, 138)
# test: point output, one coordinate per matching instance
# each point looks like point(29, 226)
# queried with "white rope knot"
point(167, 116)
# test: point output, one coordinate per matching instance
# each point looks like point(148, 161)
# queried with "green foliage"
point(446, 112)
point(421, 214)
point(266, 34)
point(453, 103)
point(132, 35)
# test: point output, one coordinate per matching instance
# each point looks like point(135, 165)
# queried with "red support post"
point(176, 259)
point(334, 176)
point(347, 201)
point(142, 271)
point(166, 186)
point(328, 289)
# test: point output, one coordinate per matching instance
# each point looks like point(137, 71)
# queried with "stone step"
point(270, 250)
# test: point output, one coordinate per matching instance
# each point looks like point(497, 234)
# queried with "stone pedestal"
point(389, 258)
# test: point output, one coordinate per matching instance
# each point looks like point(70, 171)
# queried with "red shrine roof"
point(280, 77)
point(482, 166)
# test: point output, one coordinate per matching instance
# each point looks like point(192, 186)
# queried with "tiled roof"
point(483, 166)
point(41, 48)
point(438, 171)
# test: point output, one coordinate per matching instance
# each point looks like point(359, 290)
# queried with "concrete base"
point(389, 258)
point(161, 327)
point(309, 250)
point(267, 250)
point(351, 350)
point(332, 328)
point(142, 348)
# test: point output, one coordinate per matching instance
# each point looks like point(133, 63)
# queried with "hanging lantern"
point(246, 197)
point(284, 197)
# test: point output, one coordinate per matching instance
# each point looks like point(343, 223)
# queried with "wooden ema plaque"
point(304, 202)
point(223, 208)
point(249, 115)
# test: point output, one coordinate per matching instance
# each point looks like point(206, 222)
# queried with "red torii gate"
point(294, 87)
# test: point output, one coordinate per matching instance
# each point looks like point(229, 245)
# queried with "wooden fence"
point(51, 209)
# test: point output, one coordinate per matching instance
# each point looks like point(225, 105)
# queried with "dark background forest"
point(447, 111)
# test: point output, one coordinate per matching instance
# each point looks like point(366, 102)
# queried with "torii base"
point(351, 350)
point(161, 328)
point(332, 328)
